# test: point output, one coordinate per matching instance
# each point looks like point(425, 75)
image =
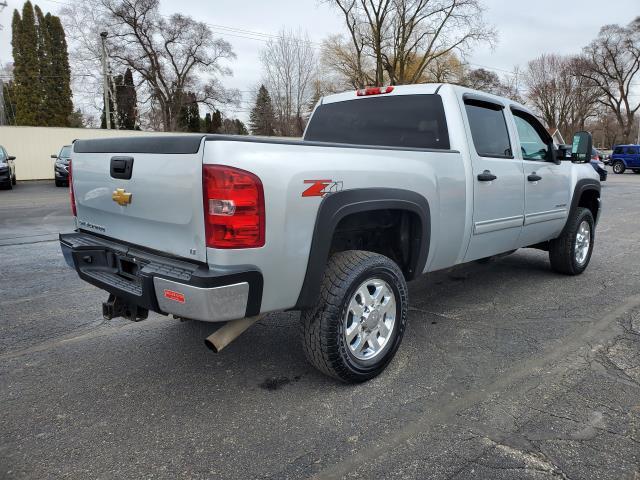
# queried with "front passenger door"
point(547, 186)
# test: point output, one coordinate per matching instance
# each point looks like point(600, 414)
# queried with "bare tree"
point(290, 66)
point(405, 38)
point(559, 94)
point(170, 55)
point(610, 64)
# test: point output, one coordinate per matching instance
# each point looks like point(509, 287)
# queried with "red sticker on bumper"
point(175, 296)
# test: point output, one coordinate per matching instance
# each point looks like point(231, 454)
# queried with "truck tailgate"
point(165, 209)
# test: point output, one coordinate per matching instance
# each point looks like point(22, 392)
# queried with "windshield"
point(65, 152)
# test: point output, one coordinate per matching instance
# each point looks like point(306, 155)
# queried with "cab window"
point(488, 129)
point(534, 144)
point(632, 150)
point(618, 151)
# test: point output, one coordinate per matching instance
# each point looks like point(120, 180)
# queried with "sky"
point(525, 29)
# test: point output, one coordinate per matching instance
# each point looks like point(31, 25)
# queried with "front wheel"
point(618, 167)
point(357, 326)
point(571, 251)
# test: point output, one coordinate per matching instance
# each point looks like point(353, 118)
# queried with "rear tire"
point(618, 167)
point(570, 253)
point(357, 325)
point(636, 170)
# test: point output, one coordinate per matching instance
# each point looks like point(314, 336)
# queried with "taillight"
point(233, 207)
point(363, 92)
point(72, 196)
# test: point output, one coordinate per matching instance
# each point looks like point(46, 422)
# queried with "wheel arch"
point(586, 194)
point(338, 206)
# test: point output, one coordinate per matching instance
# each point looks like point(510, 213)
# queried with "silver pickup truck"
point(388, 183)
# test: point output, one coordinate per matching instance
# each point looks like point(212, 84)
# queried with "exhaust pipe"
point(229, 332)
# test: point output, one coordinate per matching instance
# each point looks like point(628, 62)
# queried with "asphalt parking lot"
point(507, 371)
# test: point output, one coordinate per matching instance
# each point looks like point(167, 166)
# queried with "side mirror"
point(54, 156)
point(581, 147)
point(11, 158)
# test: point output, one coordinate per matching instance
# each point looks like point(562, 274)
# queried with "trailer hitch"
point(117, 307)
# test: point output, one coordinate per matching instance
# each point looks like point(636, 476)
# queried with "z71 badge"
point(320, 188)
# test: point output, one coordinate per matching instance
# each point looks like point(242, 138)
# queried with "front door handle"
point(534, 177)
point(486, 176)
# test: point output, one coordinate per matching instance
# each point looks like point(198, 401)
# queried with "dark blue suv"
point(625, 156)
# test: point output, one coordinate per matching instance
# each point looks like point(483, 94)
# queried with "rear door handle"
point(534, 177)
point(486, 176)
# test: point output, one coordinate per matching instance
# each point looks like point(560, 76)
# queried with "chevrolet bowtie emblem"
point(121, 197)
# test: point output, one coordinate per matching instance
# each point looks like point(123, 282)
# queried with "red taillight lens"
point(374, 91)
point(233, 207)
point(72, 196)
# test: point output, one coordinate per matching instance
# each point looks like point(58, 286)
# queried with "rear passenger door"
point(498, 188)
point(547, 186)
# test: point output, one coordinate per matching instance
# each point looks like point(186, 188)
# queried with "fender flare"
point(337, 206)
point(582, 186)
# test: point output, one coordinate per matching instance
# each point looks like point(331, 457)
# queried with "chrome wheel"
point(370, 318)
point(583, 242)
point(618, 167)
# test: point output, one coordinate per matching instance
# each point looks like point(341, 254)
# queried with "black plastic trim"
point(93, 255)
point(309, 143)
point(165, 144)
point(475, 97)
point(582, 186)
point(337, 206)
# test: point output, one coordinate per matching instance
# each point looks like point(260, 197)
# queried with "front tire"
point(570, 253)
point(618, 167)
point(356, 328)
point(59, 183)
point(14, 180)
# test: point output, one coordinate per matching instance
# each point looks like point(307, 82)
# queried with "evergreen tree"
point(127, 100)
point(58, 90)
point(212, 123)
point(233, 126)
point(41, 69)
point(216, 122)
point(9, 92)
point(189, 119)
point(262, 118)
point(26, 71)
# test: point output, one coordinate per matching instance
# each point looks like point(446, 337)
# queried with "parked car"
point(388, 183)
point(625, 156)
point(600, 169)
point(61, 166)
point(7, 169)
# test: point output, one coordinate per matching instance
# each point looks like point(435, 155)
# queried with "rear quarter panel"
point(290, 218)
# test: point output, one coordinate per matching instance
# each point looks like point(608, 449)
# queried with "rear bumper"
point(164, 284)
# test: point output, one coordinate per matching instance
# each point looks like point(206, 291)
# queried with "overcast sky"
point(526, 28)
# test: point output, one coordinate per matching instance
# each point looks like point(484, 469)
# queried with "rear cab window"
point(408, 121)
point(488, 129)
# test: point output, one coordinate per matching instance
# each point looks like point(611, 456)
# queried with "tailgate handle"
point(122, 167)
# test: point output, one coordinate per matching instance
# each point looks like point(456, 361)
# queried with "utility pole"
point(105, 81)
point(3, 116)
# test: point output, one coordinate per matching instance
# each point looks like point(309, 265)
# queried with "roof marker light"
point(363, 92)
